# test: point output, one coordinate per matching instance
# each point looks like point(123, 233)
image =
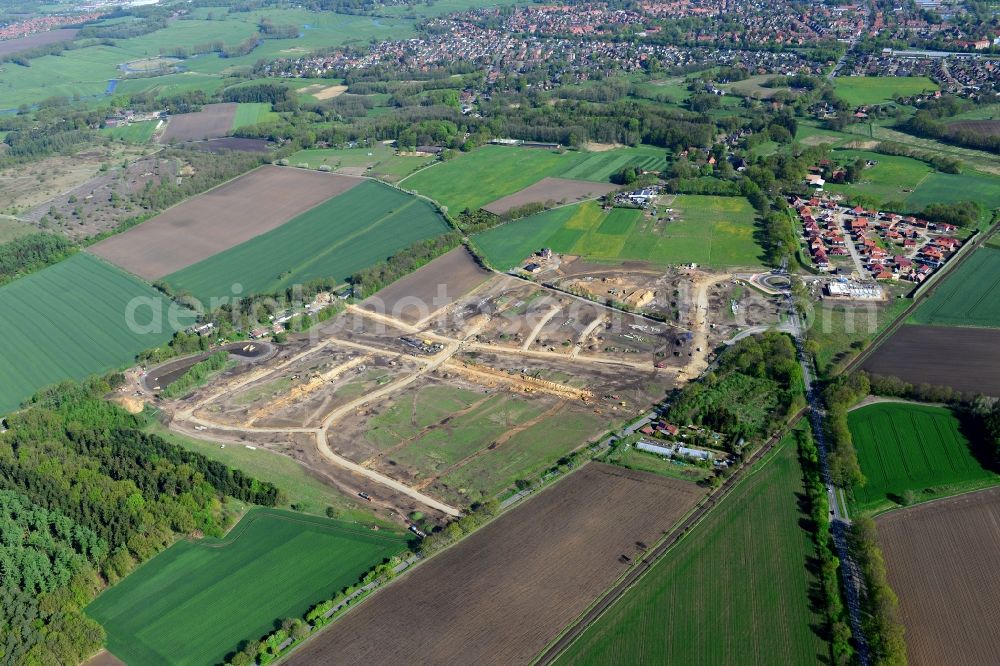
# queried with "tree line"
point(87, 496)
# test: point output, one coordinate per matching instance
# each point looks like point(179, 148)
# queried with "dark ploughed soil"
point(966, 359)
point(501, 595)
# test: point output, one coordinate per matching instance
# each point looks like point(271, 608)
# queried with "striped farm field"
point(337, 238)
point(908, 448)
point(195, 602)
point(68, 321)
point(735, 590)
point(970, 296)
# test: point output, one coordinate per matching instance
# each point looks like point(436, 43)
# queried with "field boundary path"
point(574, 631)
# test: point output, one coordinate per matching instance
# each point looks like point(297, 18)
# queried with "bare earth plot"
point(9, 46)
point(966, 359)
point(222, 218)
point(556, 190)
point(432, 287)
point(501, 595)
point(942, 560)
point(213, 121)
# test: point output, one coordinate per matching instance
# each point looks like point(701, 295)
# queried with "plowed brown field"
point(213, 121)
point(222, 218)
point(501, 595)
point(943, 560)
point(555, 190)
point(966, 359)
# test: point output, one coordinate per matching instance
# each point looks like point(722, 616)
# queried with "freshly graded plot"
point(69, 321)
point(333, 240)
point(735, 590)
point(860, 90)
point(252, 113)
point(196, 601)
point(220, 219)
point(942, 558)
point(500, 595)
point(213, 121)
point(911, 448)
point(970, 296)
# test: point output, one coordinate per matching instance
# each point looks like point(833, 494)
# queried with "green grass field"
point(893, 178)
point(253, 113)
point(134, 133)
point(196, 601)
point(735, 590)
point(68, 321)
point(948, 187)
point(475, 179)
point(910, 447)
point(861, 90)
point(335, 239)
point(382, 160)
point(970, 296)
point(713, 231)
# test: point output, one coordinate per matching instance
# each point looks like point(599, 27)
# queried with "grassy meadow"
point(134, 133)
point(198, 600)
point(486, 174)
point(378, 160)
point(862, 90)
point(735, 590)
point(911, 448)
point(711, 231)
point(253, 113)
point(68, 321)
point(335, 239)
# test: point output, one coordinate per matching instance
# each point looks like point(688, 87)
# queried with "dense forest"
point(30, 253)
point(85, 496)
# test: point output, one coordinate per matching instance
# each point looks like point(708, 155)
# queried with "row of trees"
point(196, 375)
point(837, 628)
